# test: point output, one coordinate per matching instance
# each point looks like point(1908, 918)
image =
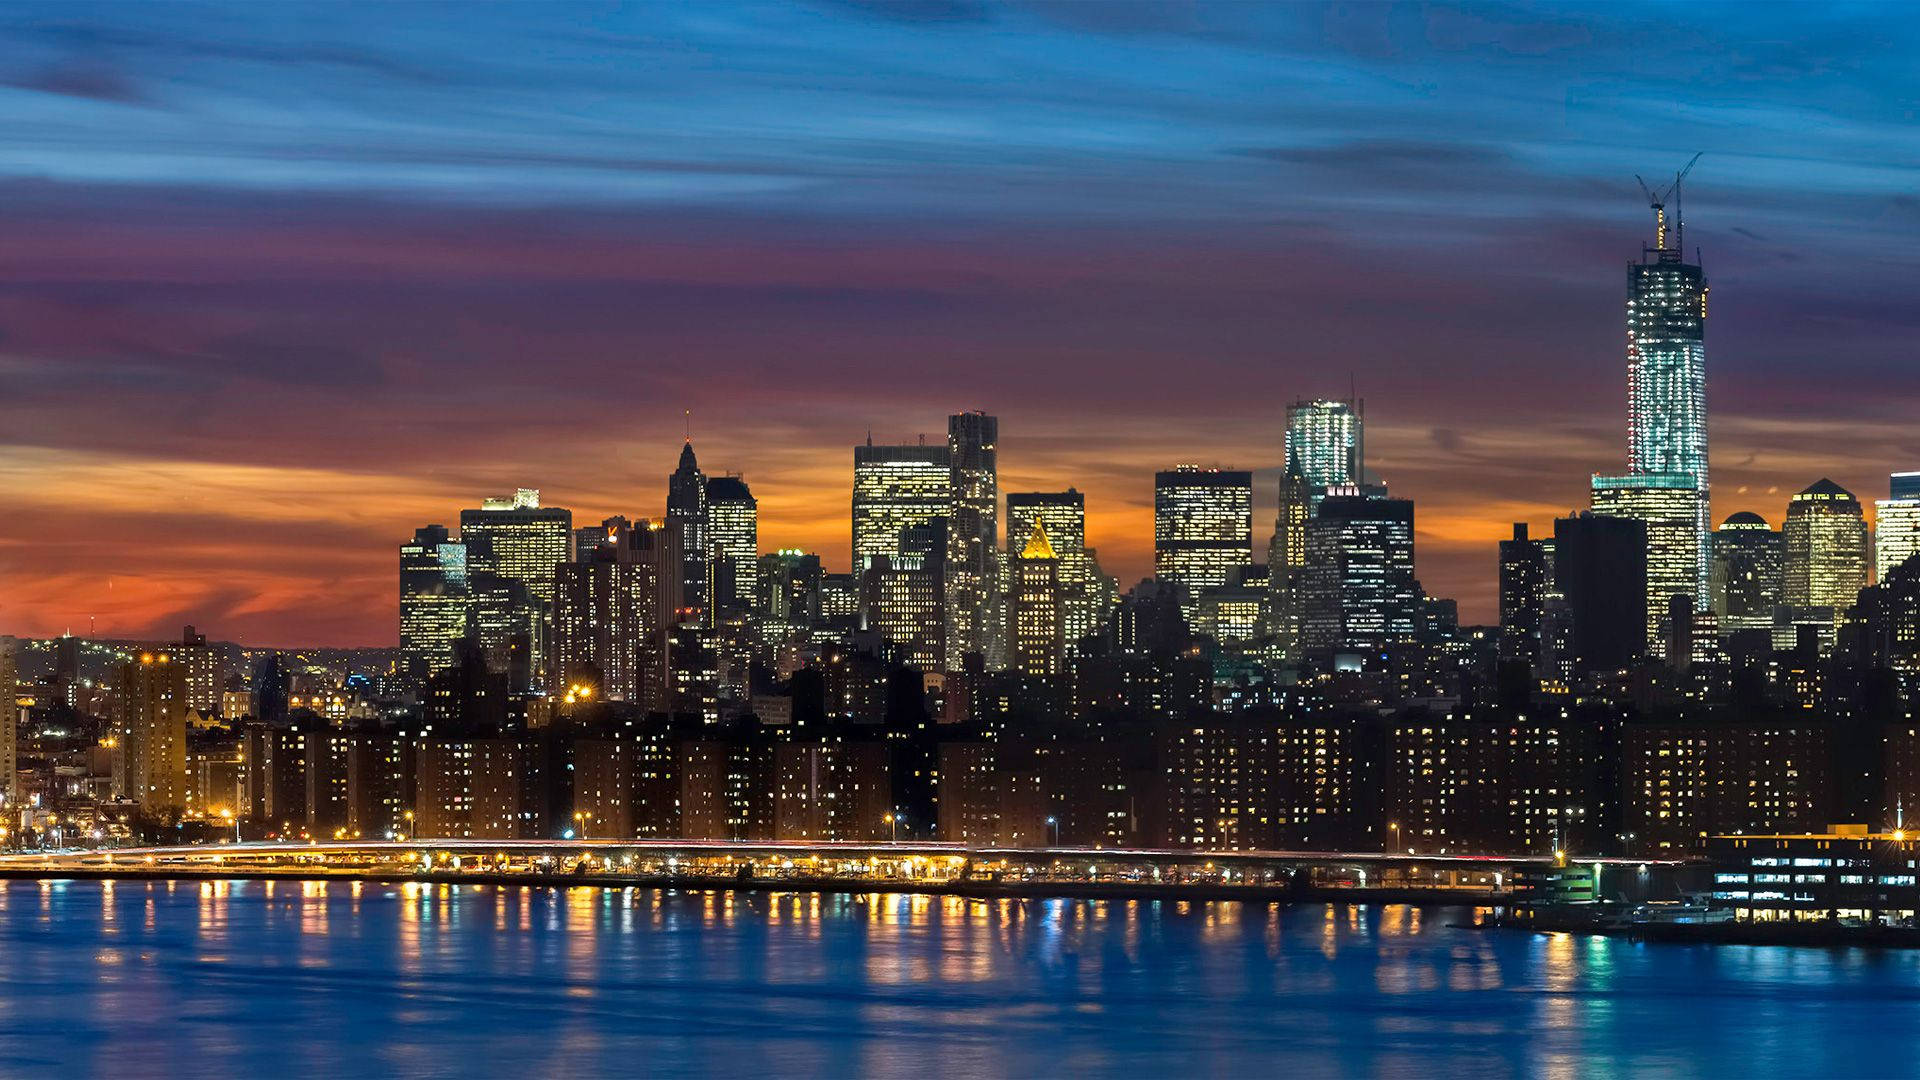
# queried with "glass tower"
point(1323, 443)
point(1202, 528)
point(973, 539)
point(1896, 524)
point(1826, 541)
point(894, 488)
point(1667, 381)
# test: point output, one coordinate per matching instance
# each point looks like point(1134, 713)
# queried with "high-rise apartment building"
point(9, 730)
point(1202, 528)
point(1668, 504)
point(1087, 594)
point(895, 487)
point(973, 540)
point(149, 739)
point(1745, 583)
point(1896, 524)
point(1667, 385)
point(733, 538)
point(1826, 548)
point(434, 601)
point(1038, 610)
point(687, 508)
point(1357, 590)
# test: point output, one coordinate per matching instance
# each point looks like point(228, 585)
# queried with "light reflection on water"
point(251, 978)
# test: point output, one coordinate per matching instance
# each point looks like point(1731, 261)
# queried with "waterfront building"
point(1038, 609)
point(832, 791)
point(1685, 779)
point(1668, 504)
point(202, 666)
point(1473, 782)
point(1837, 872)
point(9, 730)
point(1202, 528)
point(1358, 593)
point(687, 508)
point(1826, 548)
point(895, 487)
point(1896, 524)
point(1748, 557)
point(973, 605)
point(733, 533)
point(434, 600)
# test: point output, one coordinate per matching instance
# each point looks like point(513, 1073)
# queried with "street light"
point(228, 814)
point(893, 820)
point(1054, 824)
point(1395, 826)
point(408, 833)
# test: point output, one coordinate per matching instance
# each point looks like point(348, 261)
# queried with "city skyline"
point(320, 316)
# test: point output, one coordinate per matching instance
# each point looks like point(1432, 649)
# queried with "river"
point(250, 978)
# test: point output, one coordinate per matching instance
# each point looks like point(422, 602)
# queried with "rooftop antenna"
point(1659, 204)
point(687, 418)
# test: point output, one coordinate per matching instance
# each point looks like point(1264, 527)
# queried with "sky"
point(281, 283)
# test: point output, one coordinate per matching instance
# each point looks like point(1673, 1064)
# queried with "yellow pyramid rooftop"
point(1037, 545)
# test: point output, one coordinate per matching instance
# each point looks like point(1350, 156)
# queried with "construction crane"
point(1659, 205)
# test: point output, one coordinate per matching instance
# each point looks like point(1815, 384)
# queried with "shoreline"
point(971, 889)
point(1808, 934)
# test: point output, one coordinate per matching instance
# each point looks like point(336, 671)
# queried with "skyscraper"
point(1323, 451)
point(1526, 576)
point(1039, 642)
point(1086, 593)
point(1826, 548)
point(1323, 444)
point(1357, 590)
point(1667, 384)
point(687, 507)
point(1202, 528)
point(9, 731)
point(522, 542)
point(1745, 583)
point(903, 595)
point(150, 732)
point(1600, 569)
point(973, 540)
point(1896, 524)
point(606, 631)
point(1669, 505)
point(733, 534)
point(433, 601)
point(895, 487)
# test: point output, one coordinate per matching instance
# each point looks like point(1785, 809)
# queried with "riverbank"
point(1824, 933)
point(977, 889)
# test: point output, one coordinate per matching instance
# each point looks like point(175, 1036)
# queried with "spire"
point(687, 462)
point(1037, 545)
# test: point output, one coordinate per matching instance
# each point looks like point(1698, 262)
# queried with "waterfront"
point(243, 978)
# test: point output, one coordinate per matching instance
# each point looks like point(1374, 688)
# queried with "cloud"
point(92, 81)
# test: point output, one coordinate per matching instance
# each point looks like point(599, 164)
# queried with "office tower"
point(434, 600)
point(733, 538)
point(521, 541)
point(1896, 524)
point(588, 537)
point(1202, 528)
point(1668, 504)
point(1323, 444)
point(903, 596)
point(1600, 571)
point(150, 732)
point(1086, 593)
point(895, 487)
point(606, 624)
point(1667, 388)
point(1525, 579)
point(9, 730)
point(789, 589)
point(1745, 583)
point(687, 507)
point(1826, 548)
point(1038, 623)
point(840, 599)
point(1286, 555)
point(973, 540)
point(1357, 590)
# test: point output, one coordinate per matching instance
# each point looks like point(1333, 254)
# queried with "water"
point(250, 978)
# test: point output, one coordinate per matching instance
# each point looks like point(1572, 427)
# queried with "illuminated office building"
point(1357, 590)
point(522, 542)
point(1039, 641)
point(687, 508)
point(606, 632)
point(149, 740)
point(895, 487)
point(1668, 505)
point(1667, 389)
point(1826, 548)
point(733, 538)
point(1745, 583)
point(973, 540)
point(434, 601)
point(1202, 528)
point(1086, 593)
point(1323, 451)
point(1323, 444)
point(903, 595)
point(1526, 576)
point(1896, 524)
